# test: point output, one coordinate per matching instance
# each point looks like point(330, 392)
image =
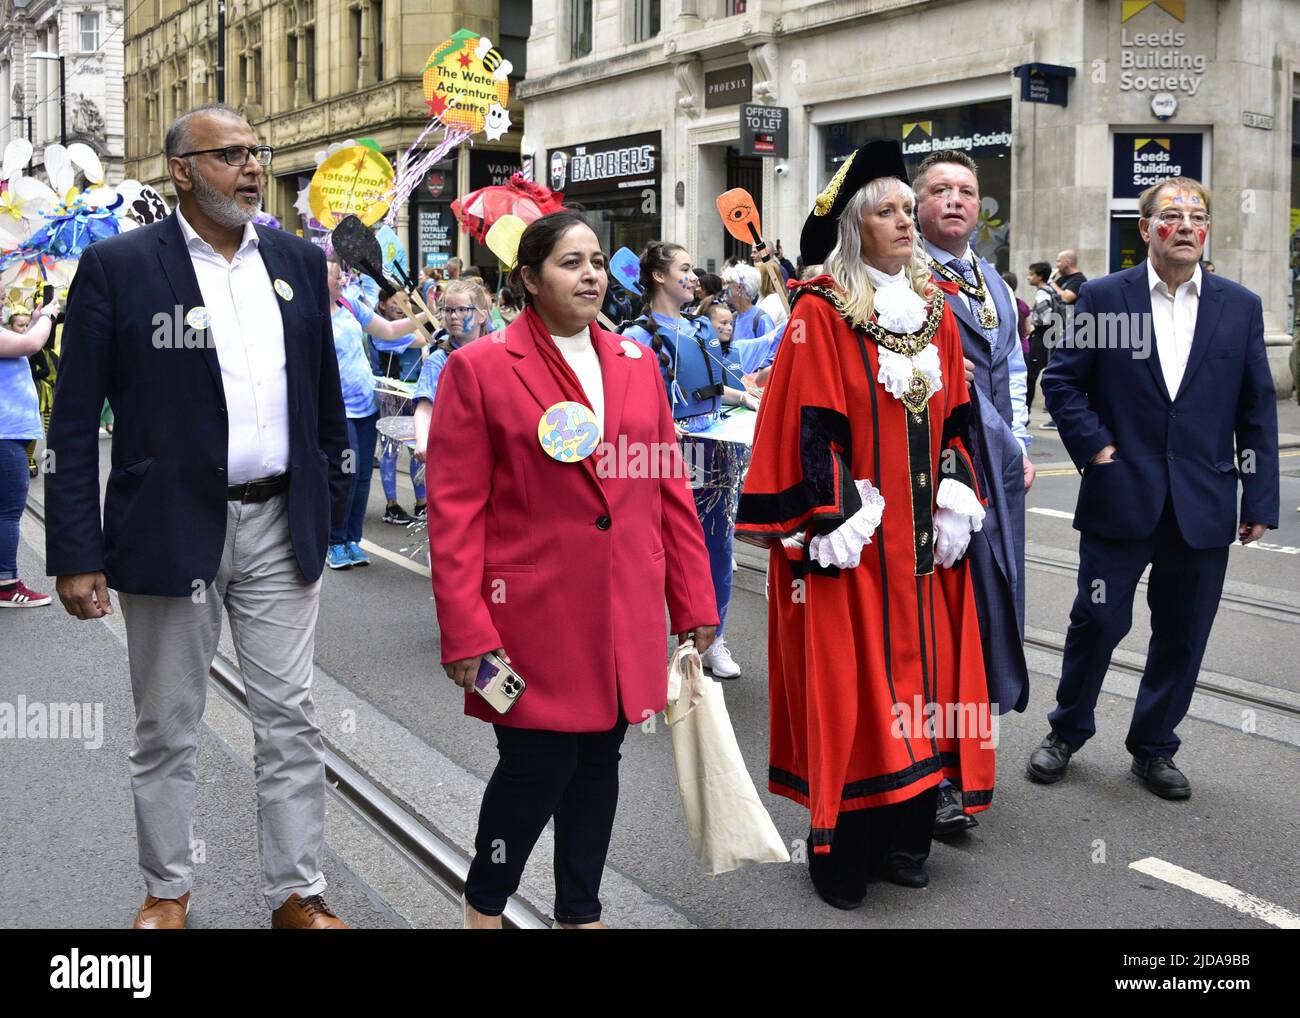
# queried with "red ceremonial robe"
point(860, 658)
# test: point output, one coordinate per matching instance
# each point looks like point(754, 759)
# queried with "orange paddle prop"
point(739, 214)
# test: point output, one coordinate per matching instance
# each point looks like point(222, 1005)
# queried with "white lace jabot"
point(899, 308)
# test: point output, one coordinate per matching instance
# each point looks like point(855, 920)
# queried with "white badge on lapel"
point(198, 318)
point(283, 289)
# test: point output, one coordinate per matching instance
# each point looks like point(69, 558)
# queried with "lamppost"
point(63, 98)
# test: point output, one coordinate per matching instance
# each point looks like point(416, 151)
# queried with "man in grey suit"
point(211, 337)
point(948, 204)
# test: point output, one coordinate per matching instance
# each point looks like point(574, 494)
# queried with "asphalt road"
point(1041, 857)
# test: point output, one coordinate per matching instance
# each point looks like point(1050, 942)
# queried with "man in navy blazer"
point(211, 339)
point(1164, 399)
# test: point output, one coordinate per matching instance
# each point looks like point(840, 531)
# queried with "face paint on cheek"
point(1165, 230)
point(1201, 231)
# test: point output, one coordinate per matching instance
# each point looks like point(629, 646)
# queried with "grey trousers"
point(171, 642)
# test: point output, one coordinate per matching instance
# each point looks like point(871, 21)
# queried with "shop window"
point(88, 31)
point(1140, 159)
point(646, 19)
point(580, 28)
point(981, 130)
point(309, 59)
point(516, 22)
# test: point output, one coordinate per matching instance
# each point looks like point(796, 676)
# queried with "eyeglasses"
point(236, 155)
point(459, 311)
point(1171, 217)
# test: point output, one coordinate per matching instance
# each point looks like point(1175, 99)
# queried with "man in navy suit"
point(1162, 372)
point(211, 338)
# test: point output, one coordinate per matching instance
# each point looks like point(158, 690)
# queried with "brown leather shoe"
point(162, 913)
point(306, 914)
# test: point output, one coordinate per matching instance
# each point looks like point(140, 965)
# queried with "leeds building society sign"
point(1153, 52)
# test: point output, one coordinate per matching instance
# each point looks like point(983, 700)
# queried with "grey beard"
point(227, 212)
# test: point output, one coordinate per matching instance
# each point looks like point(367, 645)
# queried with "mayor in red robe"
point(863, 490)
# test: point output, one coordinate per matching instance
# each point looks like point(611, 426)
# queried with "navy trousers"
point(1183, 594)
point(571, 776)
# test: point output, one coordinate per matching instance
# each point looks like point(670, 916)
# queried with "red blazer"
point(565, 565)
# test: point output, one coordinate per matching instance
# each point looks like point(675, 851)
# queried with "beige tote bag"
point(726, 821)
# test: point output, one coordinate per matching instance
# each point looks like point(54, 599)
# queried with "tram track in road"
point(432, 856)
point(752, 562)
point(1233, 600)
point(1057, 648)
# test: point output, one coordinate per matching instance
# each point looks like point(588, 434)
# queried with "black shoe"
point(1048, 762)
point(398, 516)
point(1160, 775)
point(907, 876)
point(845, 904)
point(948, 816)
point(420, 513)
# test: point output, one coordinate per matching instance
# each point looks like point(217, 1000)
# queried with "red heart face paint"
point(1201, 231)
point(1165, 230)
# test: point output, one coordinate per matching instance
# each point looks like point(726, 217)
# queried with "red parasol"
point(518, 196)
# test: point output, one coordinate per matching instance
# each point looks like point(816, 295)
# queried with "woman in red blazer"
point(559, 561)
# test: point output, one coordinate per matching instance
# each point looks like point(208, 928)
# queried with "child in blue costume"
point(352, 321)
point(700, 379)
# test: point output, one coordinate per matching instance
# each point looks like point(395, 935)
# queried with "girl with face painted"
point(699, 377)
point(465, 312)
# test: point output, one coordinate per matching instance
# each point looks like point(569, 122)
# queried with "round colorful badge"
point(283, 289)
point(568, 431)
point(198, 318)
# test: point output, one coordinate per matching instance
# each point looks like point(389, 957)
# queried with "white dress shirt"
point(582, 357)
point(246, 328)
point(1173, 316)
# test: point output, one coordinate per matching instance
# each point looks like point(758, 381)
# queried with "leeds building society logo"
point(1174, 8)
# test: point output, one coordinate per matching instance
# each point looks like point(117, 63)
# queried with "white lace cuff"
point(842, 547)
point(960, 499)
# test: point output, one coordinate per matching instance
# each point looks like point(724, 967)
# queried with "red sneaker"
point(19, 595)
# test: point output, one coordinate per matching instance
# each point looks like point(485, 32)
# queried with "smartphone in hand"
point(498, 683)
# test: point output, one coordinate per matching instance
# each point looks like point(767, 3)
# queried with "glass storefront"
point(432, 238)
point(617, 183)
point(981, 130)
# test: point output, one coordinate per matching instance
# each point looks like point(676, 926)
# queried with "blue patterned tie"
point(967, 272)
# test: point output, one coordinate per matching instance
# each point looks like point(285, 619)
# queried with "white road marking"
point(1282, 549)
point(1224, 894)
point(1055, 513)
point(393, 556)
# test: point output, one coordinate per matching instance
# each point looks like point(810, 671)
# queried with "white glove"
point(842, 547)
point(959, 514)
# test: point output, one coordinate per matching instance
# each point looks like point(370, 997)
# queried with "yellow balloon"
point(350, 182)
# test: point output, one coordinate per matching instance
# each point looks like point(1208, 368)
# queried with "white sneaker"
point(718, 660)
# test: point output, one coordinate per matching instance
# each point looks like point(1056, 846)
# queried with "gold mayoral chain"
point(988, 316)
point(909, 344)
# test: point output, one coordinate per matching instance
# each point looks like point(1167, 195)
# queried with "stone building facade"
point(645, 99)
point(307, 73)
point(88, 35)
